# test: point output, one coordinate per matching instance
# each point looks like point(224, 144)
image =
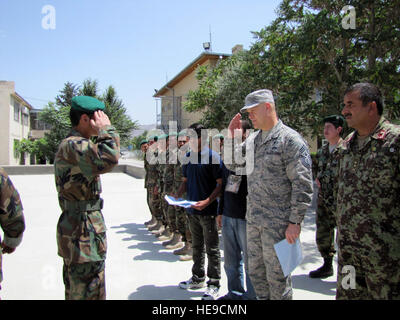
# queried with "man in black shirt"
point(232, 219)
point(202, 181)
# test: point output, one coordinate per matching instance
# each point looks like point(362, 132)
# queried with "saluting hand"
point(99, 120)
point(234, 125)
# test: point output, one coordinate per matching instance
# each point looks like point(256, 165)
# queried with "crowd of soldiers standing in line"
point(168, 223)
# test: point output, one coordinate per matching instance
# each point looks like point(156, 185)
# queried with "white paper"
point(289, 255)
point(179, 202)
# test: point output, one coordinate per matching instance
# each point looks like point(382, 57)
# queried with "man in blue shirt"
point(202, 181)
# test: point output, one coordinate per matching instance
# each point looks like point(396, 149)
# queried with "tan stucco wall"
point(6, 88)
point(181, 90)
point(9, 128)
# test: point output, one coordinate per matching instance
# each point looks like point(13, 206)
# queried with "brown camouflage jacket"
point(78, 164)
point(12, 220)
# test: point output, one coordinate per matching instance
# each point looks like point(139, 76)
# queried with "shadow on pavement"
point(151, 292)
point(304, 282)
point(147, 243)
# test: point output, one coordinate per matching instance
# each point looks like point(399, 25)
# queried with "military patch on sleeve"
point(305, 157)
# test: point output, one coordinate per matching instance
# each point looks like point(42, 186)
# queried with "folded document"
point(289, 255)
point(179, 202)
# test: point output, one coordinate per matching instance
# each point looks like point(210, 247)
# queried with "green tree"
point(308, 59)
point(135, 141)
point(58, 118)
point(117, 113)
point(69, 91)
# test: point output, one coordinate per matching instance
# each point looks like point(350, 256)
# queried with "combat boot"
point(165, 235)
point(175, 242)
point(325, 271)
point(165, 243)
point(150, 222)
point(186, 253)
point(188, 256)
point(184, 250)
point(158, 227)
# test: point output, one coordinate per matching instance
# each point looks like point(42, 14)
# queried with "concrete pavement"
point(137, 266)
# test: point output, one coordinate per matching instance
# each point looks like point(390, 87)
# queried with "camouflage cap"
point(86, 104)
point(256, 97)
point(336, 120)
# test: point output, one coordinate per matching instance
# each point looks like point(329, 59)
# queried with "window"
point(25, 116)
point(17, 107)
point(25, 119)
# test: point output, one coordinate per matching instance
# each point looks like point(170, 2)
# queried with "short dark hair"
point(197, 127)
point(75, 116)
point(368, 93)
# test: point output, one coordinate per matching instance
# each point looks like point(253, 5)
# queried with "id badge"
point(233, 183)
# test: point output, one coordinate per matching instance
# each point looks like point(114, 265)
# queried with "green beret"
point(219, 136)
point(143, 142)
point(87, 104)
point(336, 120)
point(173, 134)
point(183, 133)
point(162, 137)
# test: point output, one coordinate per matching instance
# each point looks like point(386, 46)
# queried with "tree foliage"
point(307, 59)
point(57, 114)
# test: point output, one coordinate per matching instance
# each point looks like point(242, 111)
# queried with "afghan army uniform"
point(11, 214)
point(152, 182)
point(181, 215)
point(148, 190)
point(280, 189)
point(160, 187)
point(327, 169)
point(81, 230)
point(368, 214)
point(167, 187)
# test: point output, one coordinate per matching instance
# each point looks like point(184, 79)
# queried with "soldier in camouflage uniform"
point(182, 223)
point(169, 179)
point(152, 184)
point(143, 147)
point(325, 217)
point(12, 220)
point(368, 210)
point(280, 190)
point(81, 231)
point(164, 182)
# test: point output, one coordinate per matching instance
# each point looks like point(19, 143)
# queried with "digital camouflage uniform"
point(368, 214)
point(12, 220)
point(280, 190)
point(81, 231)
point(325, 218)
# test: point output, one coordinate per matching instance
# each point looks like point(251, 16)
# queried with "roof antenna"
point(210, 39)
point(207, 45)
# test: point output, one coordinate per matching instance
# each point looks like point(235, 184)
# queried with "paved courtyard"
point(137, 265)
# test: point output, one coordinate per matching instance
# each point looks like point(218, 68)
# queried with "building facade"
point(14, 123)
point(170, 98)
